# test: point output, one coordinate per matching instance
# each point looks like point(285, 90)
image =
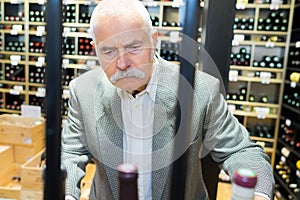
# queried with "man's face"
point(125, 51)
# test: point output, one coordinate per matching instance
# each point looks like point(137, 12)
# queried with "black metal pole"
point(217, 36)
point(190, 13)
point(54, 184)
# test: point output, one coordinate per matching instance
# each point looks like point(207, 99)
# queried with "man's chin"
point(129, 84)
point(125, 85)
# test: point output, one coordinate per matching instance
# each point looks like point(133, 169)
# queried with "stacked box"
point(10, 186)
point(6, 157)
point(25, 134)
point(31, 177)
point(32, 181)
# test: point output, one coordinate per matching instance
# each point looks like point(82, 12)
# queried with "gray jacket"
point(94, 130)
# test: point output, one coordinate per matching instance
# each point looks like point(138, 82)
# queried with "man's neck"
point(135, 92)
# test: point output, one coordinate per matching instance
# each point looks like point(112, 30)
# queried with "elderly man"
point(124, 112)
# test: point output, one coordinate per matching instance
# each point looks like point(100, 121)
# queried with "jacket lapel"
point(164, 131)
point(109, 117)
point(109, 128)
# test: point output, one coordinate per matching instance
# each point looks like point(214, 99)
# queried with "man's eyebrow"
point(106, 48)
point(109, 48)
point(134, 42)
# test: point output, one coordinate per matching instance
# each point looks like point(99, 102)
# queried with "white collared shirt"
point(138, 116)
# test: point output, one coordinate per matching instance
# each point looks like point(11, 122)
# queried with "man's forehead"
point(124, 38)
point(127, 44)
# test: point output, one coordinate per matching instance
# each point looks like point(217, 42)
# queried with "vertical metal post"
point(217, 34)
point(190, 13)
point(54, 184)
point(216, 38)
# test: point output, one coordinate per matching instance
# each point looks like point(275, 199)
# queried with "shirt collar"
point(150, 89)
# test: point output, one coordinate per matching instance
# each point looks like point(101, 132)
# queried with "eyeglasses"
point(110, 53)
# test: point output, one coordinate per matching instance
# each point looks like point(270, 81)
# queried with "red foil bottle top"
point(127, 172)
point(127, 168)
point(245, 178)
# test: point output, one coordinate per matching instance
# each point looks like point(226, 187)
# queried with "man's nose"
point(123, 62)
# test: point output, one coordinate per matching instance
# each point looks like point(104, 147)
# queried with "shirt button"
point(136, 106)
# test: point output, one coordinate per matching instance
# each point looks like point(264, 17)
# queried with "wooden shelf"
point(79, 57)
point(257, 79)
point(260, 43)
point(266, 6)
point(80, 2)
point(76, 34)
point(258, 104)
point(250, 68)
point(263, 140)
point(10, 111)
point(253, 114)
point(254, 32)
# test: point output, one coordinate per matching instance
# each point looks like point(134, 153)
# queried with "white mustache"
point(130, 72)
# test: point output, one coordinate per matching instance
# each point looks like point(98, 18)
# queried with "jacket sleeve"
point(229, 143)
point(74, 154)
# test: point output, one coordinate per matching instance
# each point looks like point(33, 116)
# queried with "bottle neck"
point(128, 175)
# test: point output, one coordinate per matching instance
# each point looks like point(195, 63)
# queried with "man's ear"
point(154, 38)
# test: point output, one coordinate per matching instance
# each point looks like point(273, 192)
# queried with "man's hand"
point(258, 197)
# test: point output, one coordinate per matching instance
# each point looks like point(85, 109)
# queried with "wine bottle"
point(165, 23)
point(264, 99)
point(234, 97)
point(127, 175)
point(243, 184)
point(255, 63)
point(266, 131)
point(228, 96)
point(241, 98)
point(262, 64)
point(155, 20)
point(85, 48)
point(259, 131)
point(251, 98)
point(243, 90)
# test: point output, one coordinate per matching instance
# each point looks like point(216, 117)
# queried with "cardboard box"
point(10, 185)
point(19, 130)
point(6, 157)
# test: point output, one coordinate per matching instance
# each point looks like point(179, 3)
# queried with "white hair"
point(123, 9)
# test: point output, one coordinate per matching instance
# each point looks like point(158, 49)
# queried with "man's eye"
point(109, 52)
point(135, 49)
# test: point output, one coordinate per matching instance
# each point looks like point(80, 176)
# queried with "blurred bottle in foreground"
point(128, 175)
point(243, 184)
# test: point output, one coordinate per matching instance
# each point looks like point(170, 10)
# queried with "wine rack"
point(22, 53)
point(287, 168)
point(23, 38)
point(165, 18)
point(258, 63)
